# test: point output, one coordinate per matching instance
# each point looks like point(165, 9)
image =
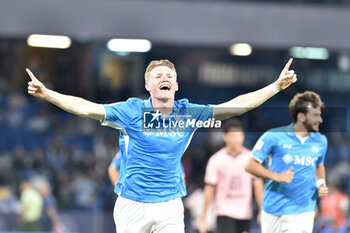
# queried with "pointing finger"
point(286, 68)
point(31, 75)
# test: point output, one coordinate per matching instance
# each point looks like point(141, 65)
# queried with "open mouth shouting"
point(165, 86)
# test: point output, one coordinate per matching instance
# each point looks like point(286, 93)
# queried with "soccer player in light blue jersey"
point(294, 155)
point(150, 191)
point(114, 169)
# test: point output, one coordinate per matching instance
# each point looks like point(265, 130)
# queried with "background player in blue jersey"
point(114, 168)
point(295, 174)
point(150, 191)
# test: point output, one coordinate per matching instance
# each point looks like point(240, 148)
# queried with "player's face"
point(162, 83)
point(234, 139)
point(313, 119)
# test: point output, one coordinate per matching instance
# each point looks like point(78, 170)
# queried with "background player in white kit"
point(295, 156)
point(150, 191)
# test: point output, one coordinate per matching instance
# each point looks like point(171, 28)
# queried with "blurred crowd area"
point(72, 153)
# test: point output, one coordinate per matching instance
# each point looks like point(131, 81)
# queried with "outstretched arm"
point(246, 102)
point(72, 104)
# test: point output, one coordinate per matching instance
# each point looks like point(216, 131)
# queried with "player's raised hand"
point(287, 77)
point(35, 87)
point(286, 176)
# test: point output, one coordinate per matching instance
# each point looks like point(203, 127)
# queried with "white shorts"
point(140, 217)
point(296, 223)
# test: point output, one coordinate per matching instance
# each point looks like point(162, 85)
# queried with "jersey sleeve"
point(264, 146)
point(212, 172)
point(320, 160)
point(200, 112)
point(120, 115)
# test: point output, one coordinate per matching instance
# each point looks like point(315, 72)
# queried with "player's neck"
point(233, 151)
point(301, 131)
point(165, 106)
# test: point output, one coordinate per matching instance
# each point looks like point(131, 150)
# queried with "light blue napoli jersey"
point(281, 149)
point(119, 165)
point(152, 158)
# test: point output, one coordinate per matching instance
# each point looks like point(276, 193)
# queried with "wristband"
point(274, 88)
point(320, 182)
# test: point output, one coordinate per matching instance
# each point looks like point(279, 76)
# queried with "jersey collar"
point(148, 104)
point(291, 131)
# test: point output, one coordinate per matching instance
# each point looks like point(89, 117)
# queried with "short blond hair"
point(155, 63)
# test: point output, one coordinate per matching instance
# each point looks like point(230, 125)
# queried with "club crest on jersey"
point(315, 149)
point(287, 158)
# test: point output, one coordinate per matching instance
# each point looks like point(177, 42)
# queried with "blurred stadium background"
point(37, 138)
